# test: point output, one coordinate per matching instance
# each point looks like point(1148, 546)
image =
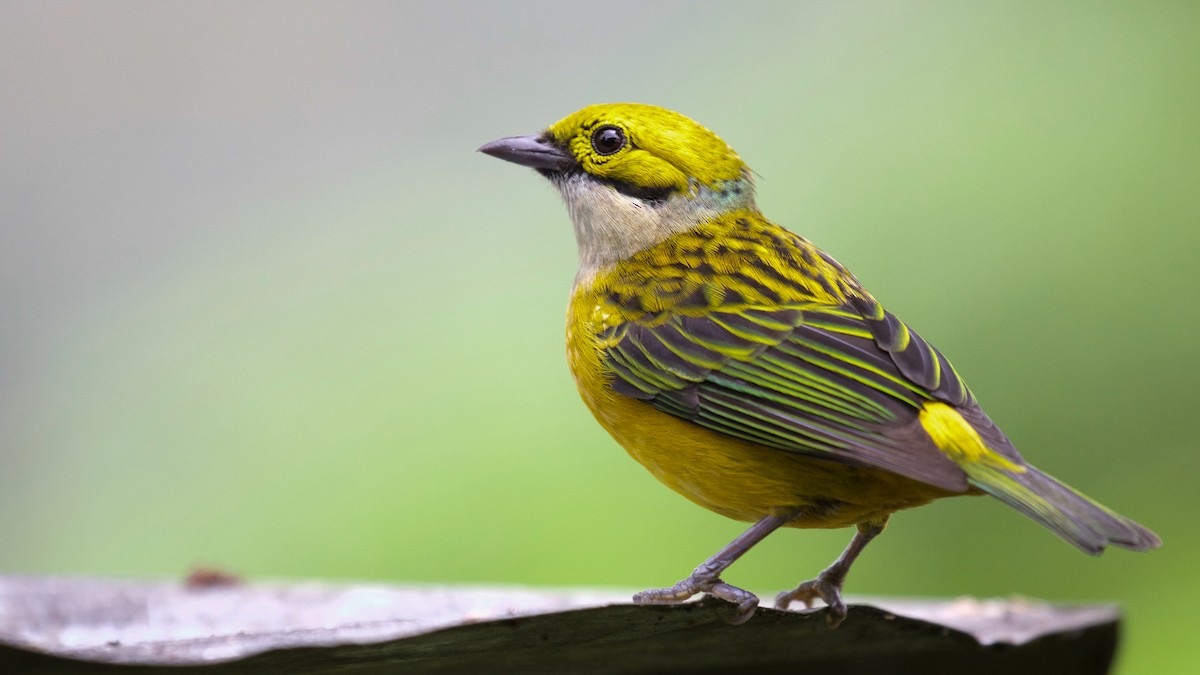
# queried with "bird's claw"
point(703, 581)
point(828, 590)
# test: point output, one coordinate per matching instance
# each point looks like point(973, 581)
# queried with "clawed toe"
point(700, 582)
point(669, 595)
point(809, 591)
point(746, 601)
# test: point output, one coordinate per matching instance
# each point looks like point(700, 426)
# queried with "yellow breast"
point(735, 478)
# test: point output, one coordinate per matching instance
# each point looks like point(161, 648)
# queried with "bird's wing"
point(844, 382)
point(913, 357)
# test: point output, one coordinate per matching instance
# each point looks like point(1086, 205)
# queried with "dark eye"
point(608, 139)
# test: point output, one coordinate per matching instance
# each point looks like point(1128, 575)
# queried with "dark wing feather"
point(915, 358)
point(810, 379)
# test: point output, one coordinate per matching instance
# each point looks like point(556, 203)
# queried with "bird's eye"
point(608, 139)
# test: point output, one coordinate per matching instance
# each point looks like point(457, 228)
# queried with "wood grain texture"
point(63, 625)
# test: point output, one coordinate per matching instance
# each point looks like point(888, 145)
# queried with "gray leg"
point(707, 577)
point(828, 584)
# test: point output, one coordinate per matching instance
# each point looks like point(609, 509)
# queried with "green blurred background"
point(265, 307)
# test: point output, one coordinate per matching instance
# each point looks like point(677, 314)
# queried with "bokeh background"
point(263, 306)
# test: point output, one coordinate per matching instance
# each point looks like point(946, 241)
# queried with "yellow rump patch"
point(958, 439)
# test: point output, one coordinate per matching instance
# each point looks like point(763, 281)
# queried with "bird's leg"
point(707, 577)
point(828, 584)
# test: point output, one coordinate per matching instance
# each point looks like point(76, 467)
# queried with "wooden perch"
point(60, 625)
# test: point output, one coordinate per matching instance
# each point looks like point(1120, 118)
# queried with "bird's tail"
point(1070, 514)
point(994, 466)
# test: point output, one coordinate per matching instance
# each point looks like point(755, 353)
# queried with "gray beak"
point(531, 151)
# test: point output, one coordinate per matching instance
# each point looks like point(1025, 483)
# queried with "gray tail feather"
point(1070, 514)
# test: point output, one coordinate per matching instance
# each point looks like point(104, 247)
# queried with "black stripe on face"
point(645, 194)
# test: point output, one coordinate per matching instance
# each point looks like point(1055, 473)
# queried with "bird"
point(752, 373)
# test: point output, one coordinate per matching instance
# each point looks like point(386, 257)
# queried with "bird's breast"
point(735, 478)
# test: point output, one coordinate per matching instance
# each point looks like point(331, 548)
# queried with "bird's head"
point(632, 175)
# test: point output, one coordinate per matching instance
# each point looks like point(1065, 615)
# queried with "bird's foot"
point(703, 580)
point(827, 588)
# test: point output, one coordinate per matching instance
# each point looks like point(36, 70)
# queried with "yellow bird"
point(749, 371)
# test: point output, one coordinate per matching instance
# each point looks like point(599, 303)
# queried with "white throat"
point(611, 226)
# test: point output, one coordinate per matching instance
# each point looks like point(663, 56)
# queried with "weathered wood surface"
point(56, 625)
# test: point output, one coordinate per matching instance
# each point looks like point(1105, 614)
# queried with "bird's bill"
point(531, 151)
